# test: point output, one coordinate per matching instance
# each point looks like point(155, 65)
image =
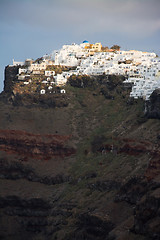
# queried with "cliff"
point(153, 105)
point(10, 78)
point(88, 169)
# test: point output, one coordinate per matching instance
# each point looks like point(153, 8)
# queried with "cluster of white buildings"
point(142, 69)
point(145, 79)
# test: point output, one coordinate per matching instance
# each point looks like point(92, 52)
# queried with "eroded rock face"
point(91, 227)
point(144, 196)
point(10, 77)
point(132, 191)
point(36, 216)
point(153, 106)
point(34, 146)
point(16, 171)
point(147, 218)
point(44, 101)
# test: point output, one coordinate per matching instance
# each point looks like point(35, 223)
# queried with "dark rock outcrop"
point(85, 81)
point(153, 105)
point(147, 216)
point(35, 99)
point(34, 216)
point(91, 227)
point(10, 78)
point(132, 191)
point(16, 170)
point(34, 203)
point(144, 197)
point(104, 186)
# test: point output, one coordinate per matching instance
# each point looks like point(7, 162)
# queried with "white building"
point(60, 80)
point(62, 91)
point(17, 63)
point(22, 70)
point(42, 91)
point(37, 66)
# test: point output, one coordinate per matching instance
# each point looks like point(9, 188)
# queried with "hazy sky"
point(32, 28)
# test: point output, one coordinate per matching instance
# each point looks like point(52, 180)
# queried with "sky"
point(32, 28)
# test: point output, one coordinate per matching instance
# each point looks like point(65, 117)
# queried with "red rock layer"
point(34, 145)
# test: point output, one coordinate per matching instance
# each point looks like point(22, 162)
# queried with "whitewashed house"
point(42, 91)
point(22, 70)
point(17, 63)
point(37, 66)
point(62, 91)
point(60, 80)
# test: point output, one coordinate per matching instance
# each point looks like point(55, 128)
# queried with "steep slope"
point(86, 170)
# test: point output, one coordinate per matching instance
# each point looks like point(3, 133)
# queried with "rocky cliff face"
point(10, 78)
point(153, 106)
point(89, 169)
point(34, 146)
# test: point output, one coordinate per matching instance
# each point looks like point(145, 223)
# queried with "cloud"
point(136, 18)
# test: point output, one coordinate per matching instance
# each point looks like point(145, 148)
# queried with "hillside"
point(88, 168)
